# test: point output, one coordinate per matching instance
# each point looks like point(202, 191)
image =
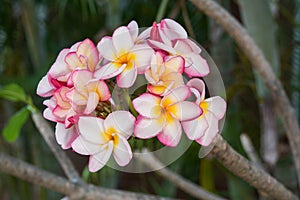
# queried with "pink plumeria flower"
point(166, 31)
point(59, 108)
point(164, 74)
point(204, 128)
point(100, 138)
point(87, 92)
point(161, 117)
point(124, 58)
point(82, 55)
point(171, 37)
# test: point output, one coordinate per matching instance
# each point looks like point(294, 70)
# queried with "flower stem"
point(129, 103)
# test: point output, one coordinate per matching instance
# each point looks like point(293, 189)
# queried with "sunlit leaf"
point(12, 129)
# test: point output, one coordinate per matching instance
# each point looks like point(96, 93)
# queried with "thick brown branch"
point(255, 176)
point(185, 185)
point(48, 135)
point(259, 62)
point(48, 180)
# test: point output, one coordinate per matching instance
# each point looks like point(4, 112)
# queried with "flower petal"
point(45, 89)
point(148, 128)
point(80, 78)
point(91, 129)
point(148, 105)
point(194, 129)
point(176, 95)
point(84, 147)
point(161, 46)
point(128, 76)
point(49, 115)
point(175, 78)
point(133, 29)
point(103, 91)
point(74, 62)
point(88, 49)
point(122, 152)
point(122, 40)
point(92, 102)
point(198, 67)
point(122, 121)
point(107, 49)
point(143, 54)
point(65, 137)
point(186, 46)
point(172, 29)
point(217, 106)
point(199, 85)
point(210, 132)
point(109, 70)
point(97, 161)
point(59, 67)
point(171, 133)
point(174, 64)
point(184, 110)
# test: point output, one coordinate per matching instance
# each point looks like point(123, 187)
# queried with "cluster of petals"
point(164, 55)
point(73, 89)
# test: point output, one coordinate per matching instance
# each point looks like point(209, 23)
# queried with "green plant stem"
point(161, 10)
point(129, 103)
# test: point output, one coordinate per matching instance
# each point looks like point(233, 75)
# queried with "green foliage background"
point(32, 32)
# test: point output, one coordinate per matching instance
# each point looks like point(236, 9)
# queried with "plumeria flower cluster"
point(88, 118)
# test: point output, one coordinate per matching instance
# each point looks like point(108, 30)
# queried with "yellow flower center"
point(204, 106)
point(125, 58)
point(110, 135)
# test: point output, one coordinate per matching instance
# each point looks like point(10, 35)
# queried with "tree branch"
point(48, 135)
point(185, 185)
point(259, 62)
point(56, 183)
point(252, 174)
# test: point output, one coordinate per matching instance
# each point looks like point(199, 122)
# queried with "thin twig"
point(56, 183)
point(185, 185)
point(186, 19)
point(259, 62)
point(252, 174)
point(250, 151)
point(48, 135)
point(253, 156)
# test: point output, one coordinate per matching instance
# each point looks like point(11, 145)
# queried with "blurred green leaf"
point(12, 130)
point(13, 92)
point(238, 189)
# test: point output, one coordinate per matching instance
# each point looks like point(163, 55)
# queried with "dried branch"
point(48, 135)
point(56, 183)
point(185, 185)
point(259, 62)
point(243, 168)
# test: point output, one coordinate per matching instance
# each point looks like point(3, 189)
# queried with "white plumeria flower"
point(100, 138)
point(125, 59)
point(205, 127)
point(161, 117)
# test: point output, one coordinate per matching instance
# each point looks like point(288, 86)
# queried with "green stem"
point(161, 10)
point(129, 103)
